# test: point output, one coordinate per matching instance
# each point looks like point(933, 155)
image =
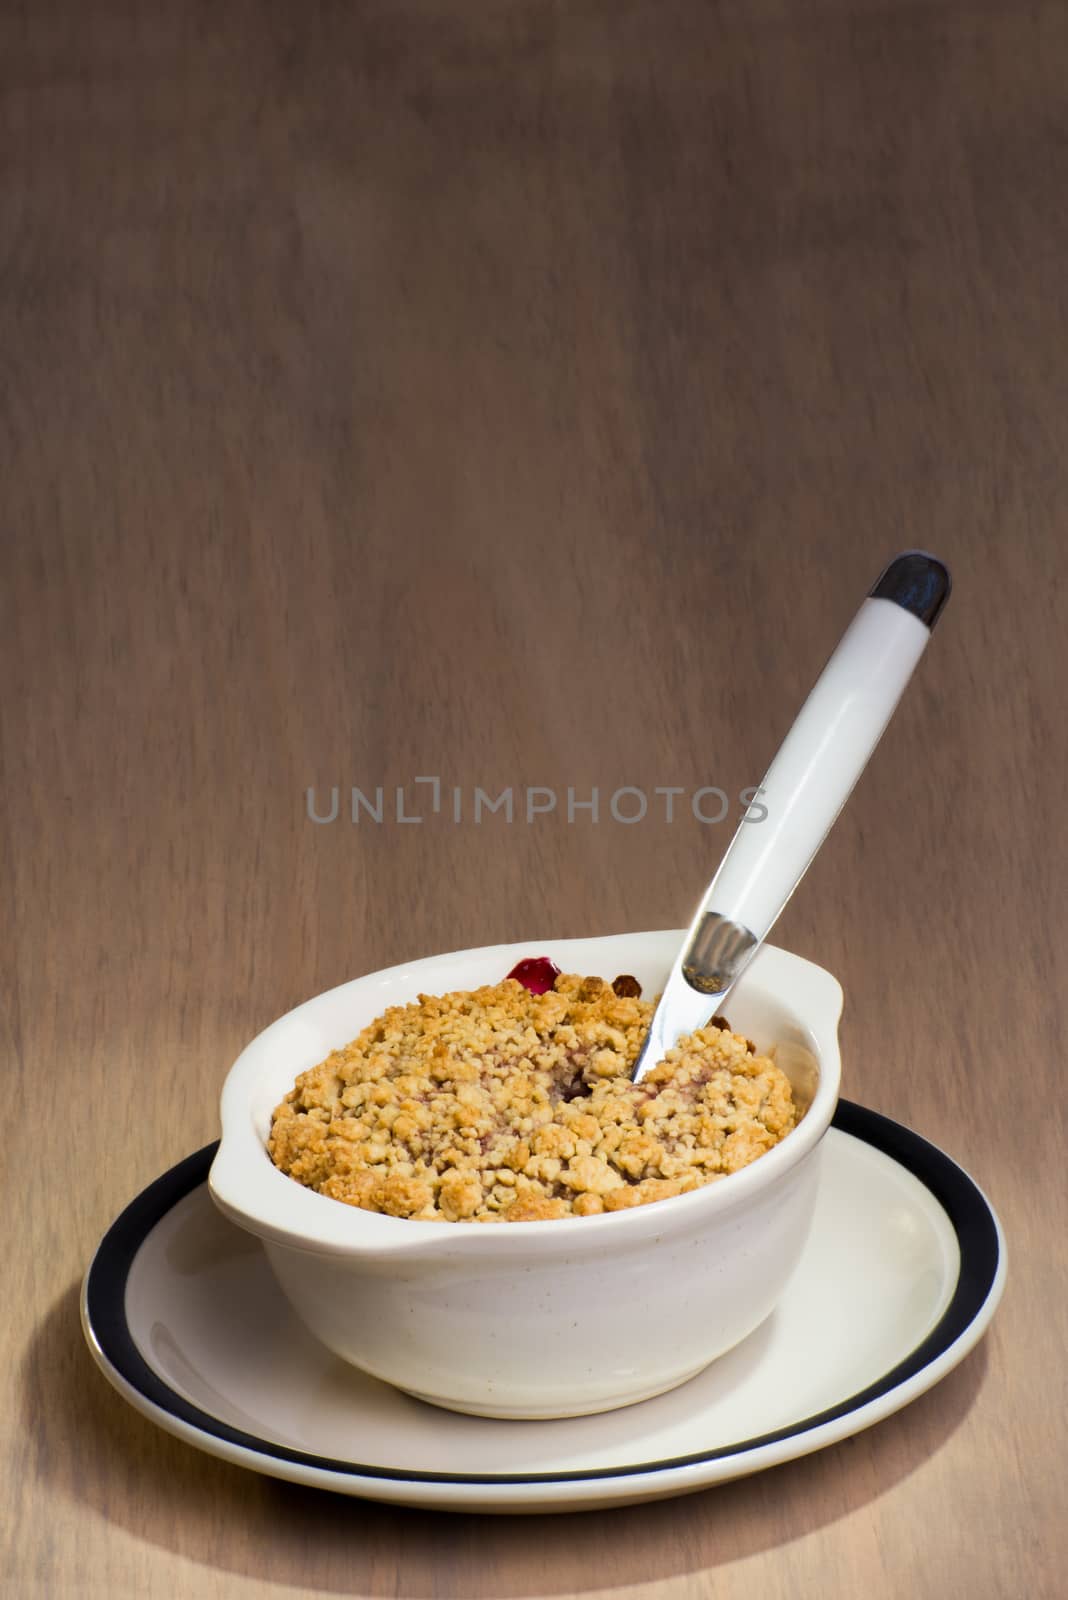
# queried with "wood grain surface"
point(524, 394)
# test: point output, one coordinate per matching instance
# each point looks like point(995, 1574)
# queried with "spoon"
point(806, 786)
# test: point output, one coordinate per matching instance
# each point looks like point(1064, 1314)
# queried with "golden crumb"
point(499, 1105)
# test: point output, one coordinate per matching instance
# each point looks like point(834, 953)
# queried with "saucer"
point(901, 1274)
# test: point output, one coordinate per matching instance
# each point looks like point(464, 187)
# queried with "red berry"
point(536, 973)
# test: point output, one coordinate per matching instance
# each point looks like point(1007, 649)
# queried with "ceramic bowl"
point(537, 1319)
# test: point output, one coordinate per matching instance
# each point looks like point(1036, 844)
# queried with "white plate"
point(901, 1275)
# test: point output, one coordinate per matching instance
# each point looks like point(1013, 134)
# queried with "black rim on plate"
point(968, 1212)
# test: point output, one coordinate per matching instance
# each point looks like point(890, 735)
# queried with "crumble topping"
point(498, 1104)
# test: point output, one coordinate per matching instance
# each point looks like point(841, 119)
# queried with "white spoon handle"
point(806, 786)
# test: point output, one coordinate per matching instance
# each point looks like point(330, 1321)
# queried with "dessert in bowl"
point(572, 1310)
point(515, 1102)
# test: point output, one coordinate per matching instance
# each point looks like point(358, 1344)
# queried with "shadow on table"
point(99, 1451)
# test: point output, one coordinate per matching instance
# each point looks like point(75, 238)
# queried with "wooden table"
point(524, 394)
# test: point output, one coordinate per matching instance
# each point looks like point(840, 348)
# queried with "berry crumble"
point(513, 1103)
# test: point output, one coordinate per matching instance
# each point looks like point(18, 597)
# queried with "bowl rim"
point(256, 1195)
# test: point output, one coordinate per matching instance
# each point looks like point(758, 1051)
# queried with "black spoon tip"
point(918, 582)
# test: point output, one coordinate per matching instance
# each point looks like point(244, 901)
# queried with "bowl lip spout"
point(249, 1189)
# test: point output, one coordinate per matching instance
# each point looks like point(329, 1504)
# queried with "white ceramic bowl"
point(537, 1319)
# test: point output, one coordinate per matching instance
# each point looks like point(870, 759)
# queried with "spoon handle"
point(806, 786)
